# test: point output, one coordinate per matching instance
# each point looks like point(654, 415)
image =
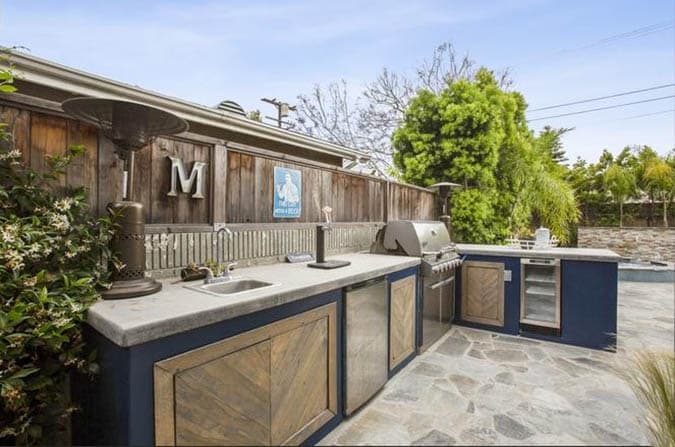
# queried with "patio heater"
point(130, 127)
point(443, 189)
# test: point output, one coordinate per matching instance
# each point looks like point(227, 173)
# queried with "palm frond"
point(552, 198)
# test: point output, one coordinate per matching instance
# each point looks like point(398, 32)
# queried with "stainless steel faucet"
point(219, 252)
point(226, 274)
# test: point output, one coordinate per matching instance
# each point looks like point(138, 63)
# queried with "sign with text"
point(287, 192)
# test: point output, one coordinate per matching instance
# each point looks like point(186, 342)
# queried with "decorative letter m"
point(186, 183)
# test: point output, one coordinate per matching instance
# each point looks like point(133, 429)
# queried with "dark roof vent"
point(232, 107)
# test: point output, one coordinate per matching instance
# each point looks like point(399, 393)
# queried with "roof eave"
point(43, 72)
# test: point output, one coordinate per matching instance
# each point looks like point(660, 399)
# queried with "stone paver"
point(476, 387)
point(435, 437)
point(511, 428)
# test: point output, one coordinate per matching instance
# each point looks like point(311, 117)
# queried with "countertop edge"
point(557, 253)
point(140, 334)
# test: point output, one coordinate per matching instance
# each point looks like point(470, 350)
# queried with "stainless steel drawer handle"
point(445, 282)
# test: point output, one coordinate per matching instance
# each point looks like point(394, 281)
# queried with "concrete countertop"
point(177, 309)
point(572, 254)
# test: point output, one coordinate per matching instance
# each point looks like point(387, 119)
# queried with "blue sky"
point(207, 51)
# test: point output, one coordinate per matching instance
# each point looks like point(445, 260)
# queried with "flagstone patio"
point(478, 387)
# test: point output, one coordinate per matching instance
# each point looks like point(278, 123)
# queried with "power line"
point(608, 40)
point(661, 112)
point(602, 108)
point(616, 95)
point(639, 32)
point(625, 118)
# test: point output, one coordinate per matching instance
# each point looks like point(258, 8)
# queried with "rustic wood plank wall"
point(250, 192)
point(39, 135)
point(238, 184)
point(409, 202)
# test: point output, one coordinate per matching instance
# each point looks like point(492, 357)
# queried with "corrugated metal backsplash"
point(167, 253)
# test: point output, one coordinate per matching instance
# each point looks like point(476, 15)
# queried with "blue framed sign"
point(287, 192)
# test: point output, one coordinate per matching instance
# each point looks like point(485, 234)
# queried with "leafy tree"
point(620, 183)
point(549, 142)
point(366, 118)
point(644, 156)
point(456, 135)
point(541, 192)
point(660, 177)
point(591, 188)
point(473, 216)
point(552, 200)
point(476, 133)
point(254, 115)
point(587, 181)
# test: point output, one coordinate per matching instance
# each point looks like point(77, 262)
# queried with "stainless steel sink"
point(232, 287)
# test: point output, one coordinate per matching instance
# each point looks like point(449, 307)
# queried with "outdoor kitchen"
point(267, 295)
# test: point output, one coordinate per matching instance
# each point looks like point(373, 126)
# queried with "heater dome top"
point(129, 125)
point(448, 184)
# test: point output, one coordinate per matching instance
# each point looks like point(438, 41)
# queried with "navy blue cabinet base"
point(584, 314)
point(120, 408)
point(274, 376)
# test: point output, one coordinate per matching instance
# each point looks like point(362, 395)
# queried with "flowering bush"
point(51, 252)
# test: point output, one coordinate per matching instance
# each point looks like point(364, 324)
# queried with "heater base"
point(131, 289)
point(333, 264)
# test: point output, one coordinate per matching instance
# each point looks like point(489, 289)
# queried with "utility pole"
point(283, 108)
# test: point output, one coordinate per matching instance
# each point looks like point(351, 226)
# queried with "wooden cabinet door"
point(401, 320)
point(301, 382)
point(276, 384)
point(483, 292)
point(225, 401)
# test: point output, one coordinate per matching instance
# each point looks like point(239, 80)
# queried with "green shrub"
point(51, 253)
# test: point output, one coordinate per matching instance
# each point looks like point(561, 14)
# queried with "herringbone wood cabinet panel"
point(276, 384)
point(402, 320)
point(236, 388)
point(483, 292)
point(300, 378)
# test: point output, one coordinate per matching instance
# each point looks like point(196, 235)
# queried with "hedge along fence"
point(238, 183)
point(634, 215)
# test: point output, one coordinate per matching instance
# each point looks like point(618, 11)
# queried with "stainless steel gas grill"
point(430, 241)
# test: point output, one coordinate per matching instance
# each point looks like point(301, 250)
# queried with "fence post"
point(385, 198)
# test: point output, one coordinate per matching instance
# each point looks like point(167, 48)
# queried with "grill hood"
point(416, 238)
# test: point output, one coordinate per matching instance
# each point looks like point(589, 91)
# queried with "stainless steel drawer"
point(365, 353)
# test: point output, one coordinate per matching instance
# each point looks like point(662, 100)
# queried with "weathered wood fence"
point(239, 185)
point(249, 244)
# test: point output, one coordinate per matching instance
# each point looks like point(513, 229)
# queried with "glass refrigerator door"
point(540, 303)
